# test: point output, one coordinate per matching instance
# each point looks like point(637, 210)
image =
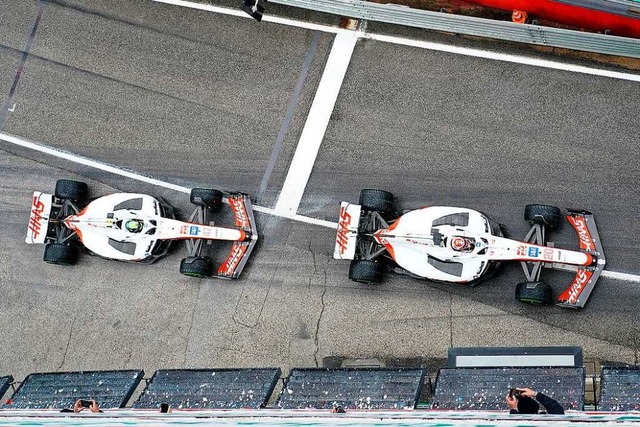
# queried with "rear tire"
point(199, 267)
point(61, 253)
point(538, 293)
point(377, 200)
point(207, 197)
point(546, 215)
point(366, 271)
point(75, 191)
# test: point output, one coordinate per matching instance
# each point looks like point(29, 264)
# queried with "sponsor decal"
point(521, 250)
point(37, 208)
point(547, 253)
point(579, 282)
point(183, 229)
point(207, 232)
point(343, 230)
point(193, 230)
point(232, 261)
point(584, 237)
point(533, 252)
point(239, 211)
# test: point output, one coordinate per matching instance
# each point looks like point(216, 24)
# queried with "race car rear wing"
point(576, 295)
point(240, 251)
point(347, 234)
point(39, 218)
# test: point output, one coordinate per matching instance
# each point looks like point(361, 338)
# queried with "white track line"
point(525, 60)
point(477, 53)
point(142, 178)
point(605, 273)
point(316, 124)
point(61, 154)
point(88, 162)
point(266, 18)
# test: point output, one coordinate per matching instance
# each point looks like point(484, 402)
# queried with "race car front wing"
point(240, 250)
point(576, 295)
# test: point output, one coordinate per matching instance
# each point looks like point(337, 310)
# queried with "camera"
point(85, 403)
point(514, 393)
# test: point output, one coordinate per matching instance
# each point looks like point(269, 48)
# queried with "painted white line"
point(605, 273)
point(503, 57)
point(88, 162)
point(142, 178)
point(61, 154)
point(316, 124)
point(266, 18)
point(477, 53)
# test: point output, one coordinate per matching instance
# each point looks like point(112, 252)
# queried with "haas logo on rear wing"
point(39, 218)
point(347, 231)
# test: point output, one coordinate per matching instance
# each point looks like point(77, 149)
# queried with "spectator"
point(337, 409)
point(527, 401)
point(81, 404)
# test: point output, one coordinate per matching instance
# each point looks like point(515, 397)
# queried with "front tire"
point(75, 191)
point(535, 293)
point(199, 267)
point(207, 197)
point(546, 215)
point(61, 253)
point(366, 271)
point(381, 201)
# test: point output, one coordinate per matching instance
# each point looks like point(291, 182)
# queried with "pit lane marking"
point(316, 125)
point(441, 47)
point(55, 152)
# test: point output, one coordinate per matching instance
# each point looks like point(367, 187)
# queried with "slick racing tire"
point(546, 215)
point(538, 293)
point(200, 267)
point(366, 271)
point(61, 253)
point(75, 191)
point(207, 197)
point(377, 200)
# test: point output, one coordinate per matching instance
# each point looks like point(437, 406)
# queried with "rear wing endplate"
point(576, 295)
point(347, 234)
point(240, 251)
point(39, 218)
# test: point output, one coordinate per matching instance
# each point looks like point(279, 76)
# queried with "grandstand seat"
point(486, 388)
point(210, 388)
point(352, 388)
point(58, 390)
point(619, 388)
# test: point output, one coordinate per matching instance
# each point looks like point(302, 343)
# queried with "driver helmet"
point(459, 243)
point(133, 225)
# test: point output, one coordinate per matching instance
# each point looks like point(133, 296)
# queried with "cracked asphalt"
point(198, 99)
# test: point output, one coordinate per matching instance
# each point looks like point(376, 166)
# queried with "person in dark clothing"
point(528, 402)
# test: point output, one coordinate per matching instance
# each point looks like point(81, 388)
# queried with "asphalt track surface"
point(195, 98)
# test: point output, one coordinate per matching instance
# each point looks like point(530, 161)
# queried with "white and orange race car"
point(139, 228)
point(460, 245)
